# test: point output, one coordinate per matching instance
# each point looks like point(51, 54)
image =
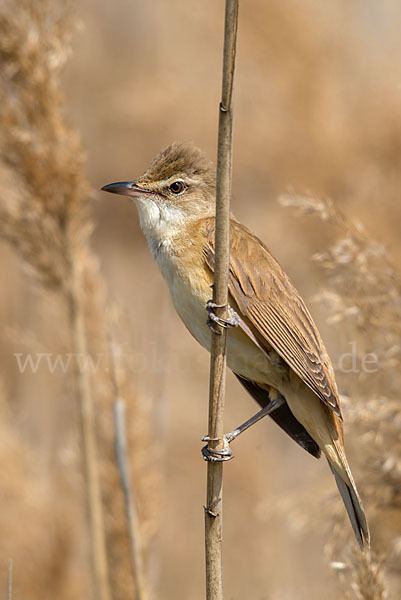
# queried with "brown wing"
point(266, 296)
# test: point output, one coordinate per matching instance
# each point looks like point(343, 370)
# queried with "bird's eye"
point(176, 187)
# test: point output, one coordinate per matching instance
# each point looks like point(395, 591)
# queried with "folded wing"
point(268, 299)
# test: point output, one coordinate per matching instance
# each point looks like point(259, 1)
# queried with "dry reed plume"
point(363, 294)
point(44, 215)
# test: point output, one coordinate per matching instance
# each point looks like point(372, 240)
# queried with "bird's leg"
point(226, 453)
point(232, 321)
point(266, 410)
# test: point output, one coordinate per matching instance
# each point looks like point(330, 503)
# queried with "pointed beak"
point(126, 188)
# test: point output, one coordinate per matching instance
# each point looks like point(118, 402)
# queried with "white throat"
point(160, 223)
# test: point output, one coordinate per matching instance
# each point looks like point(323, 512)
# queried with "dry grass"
point(40, 150)
point(44, 215)
point(363, 295)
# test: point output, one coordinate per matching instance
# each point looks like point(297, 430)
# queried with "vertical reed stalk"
point(136, 550)
point(213, 511)
point(90, 454)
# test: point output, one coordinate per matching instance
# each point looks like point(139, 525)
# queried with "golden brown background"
point(318, 113)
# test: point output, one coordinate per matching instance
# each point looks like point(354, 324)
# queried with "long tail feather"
point(353, 505)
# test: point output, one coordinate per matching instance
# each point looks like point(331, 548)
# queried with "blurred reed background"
point(90, 91)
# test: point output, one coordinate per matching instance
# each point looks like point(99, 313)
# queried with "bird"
point(273, 345)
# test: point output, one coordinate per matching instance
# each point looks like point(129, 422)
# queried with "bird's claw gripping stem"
point(213, 455)
point(232, 321)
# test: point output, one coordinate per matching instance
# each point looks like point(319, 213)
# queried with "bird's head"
point(178, 186)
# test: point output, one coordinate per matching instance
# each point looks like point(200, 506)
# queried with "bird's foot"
point(226, 453)
point(213, 455)
point(232, 321)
